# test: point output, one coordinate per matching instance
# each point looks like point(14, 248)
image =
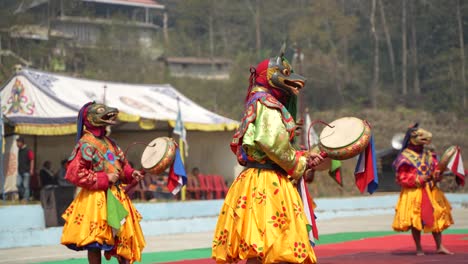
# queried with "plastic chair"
point(224, 187)
point(210, 181)
point(218, 186)
point(203, 186)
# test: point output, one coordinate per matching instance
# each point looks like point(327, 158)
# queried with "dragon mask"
point(101, 115)
point(95, 117)
point(277, 73)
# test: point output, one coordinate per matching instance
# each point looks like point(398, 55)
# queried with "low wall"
point(24, 225)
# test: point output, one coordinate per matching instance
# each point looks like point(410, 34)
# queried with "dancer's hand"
point(436, 175)
point(137, 175)
point(314, 159)
point(425, 178)
point(113, 177)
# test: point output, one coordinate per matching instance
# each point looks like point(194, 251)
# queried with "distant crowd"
point(151, 188)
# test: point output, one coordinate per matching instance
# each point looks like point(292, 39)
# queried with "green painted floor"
point(159, 257)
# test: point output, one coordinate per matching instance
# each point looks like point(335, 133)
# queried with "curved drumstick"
point(134, 183)
point(322, 153)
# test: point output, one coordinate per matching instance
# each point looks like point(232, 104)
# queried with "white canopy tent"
point(44, 106)
point(41, 103)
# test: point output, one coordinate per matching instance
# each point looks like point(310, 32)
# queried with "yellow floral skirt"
point(408, 210)
point(262, 217)
point(443, 211)
point(86, 225)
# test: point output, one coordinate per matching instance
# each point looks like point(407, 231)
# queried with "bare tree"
point(388, 39)
point(336, 64)
point(414, 52)
point(258, 35)
point(375, 82)
point(404, 50)
point(462, 53)
point(165, 31)
point(345, 51)
point(211, 34)
point(256, 14)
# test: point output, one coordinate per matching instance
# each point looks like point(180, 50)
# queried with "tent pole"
point(35, 155)
point(2, 142)
point(2, 170)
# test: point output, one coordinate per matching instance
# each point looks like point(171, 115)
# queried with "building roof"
point(196, 60)
point(140, 3)
point(23, 6)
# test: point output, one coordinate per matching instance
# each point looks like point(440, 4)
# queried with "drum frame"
point(352, 149)
point(166, 160)
point(445, 158)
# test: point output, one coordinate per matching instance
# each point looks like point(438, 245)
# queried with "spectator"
point(46, 175)
point(193, 177)
point(193, 184)
point(158, 185)
point(25, 169)
point(60, 176)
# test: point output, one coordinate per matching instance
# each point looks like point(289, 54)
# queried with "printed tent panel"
point(34, 109)
point(41, 103)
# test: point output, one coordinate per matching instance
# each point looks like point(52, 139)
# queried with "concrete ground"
point(203, 240)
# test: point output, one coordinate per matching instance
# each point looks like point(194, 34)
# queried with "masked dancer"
point(102, 217)
point(422, 206)
point(262, 219)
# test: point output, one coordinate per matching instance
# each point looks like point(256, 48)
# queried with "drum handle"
point(323, 154)
point(138, 143)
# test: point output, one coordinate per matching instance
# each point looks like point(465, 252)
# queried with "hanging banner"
point(10, 165)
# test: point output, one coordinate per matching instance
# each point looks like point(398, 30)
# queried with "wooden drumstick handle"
point(137, 143)
point(310, 127)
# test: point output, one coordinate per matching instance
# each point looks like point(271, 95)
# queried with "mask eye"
point(100, 110)
point(286, 72)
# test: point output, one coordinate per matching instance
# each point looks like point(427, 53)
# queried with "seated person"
point(158, 184)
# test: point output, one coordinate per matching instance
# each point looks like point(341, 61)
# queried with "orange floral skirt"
point(262, 217)
point(86, 225)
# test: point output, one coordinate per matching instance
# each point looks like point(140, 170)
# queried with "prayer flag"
point(365, 172)
point(456, 166)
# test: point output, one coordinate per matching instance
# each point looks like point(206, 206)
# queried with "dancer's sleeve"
point(269, 135)
point(407, 176)
point(80, 170)
point(434, 167)
point(127, 168)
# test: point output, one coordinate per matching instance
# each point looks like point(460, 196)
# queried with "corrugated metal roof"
point(142, 3)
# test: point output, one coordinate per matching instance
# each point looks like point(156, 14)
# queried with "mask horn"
point(282, 50)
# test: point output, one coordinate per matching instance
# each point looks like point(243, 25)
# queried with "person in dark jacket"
point(47, 176)
point(25, 169)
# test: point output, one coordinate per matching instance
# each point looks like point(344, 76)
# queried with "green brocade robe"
point(266, 135)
